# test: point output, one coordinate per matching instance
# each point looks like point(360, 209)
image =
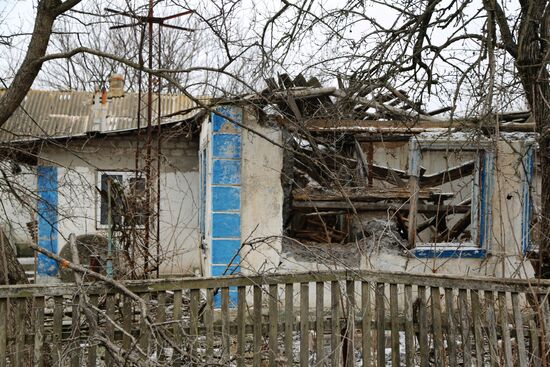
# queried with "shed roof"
point(53, 114)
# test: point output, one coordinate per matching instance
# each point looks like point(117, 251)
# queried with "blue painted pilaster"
point(226, 191)
point(47, 219)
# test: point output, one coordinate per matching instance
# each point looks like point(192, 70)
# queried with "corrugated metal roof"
point(49, 114)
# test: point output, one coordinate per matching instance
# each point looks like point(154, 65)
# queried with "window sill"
point(448, 252)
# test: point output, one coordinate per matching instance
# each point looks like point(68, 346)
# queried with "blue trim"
point(47, 186)
point(226, 146)
point(227, 251)
point(421, 253)
point(226, 172)
point(226, 198)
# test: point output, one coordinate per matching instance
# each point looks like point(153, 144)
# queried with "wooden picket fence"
point(342, 318)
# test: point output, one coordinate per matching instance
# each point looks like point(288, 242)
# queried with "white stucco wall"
point(179, 181)
point(261, 197)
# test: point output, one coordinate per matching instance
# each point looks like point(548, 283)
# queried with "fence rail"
point(344, 318)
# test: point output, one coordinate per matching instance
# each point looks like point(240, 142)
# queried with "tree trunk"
point(535, 79)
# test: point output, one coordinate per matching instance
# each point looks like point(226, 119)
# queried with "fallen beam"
point(366, 206)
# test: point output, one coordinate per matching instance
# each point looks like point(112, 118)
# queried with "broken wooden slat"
point(394, 309)
point(92, 346)
point(38, 331)
point(144, 327)
point(4, 331)
point(451, 334)
point(194, 326)
point(127, 314)
point(350, 325)
point(366, 331)
point(520, 337)
point(491, 325)
point(304, 324)
point(410, 350)
point(423, 328)
point(534, 342)
point(176, 318)
point(289, 322)
point(273, 321)
point(335, 323)
point(75, 333)
point(319, 323)
point(545, 305)
point(241, 325)
point(161, 319)
point(478, 323)
point(465, 326)
point(57, 328)
point(109, 327)
point(380, 326)
point(226, 354)
point(20, 312)
point(437, 326)
point(257, 319)
point(505, 331)
point(209, 325)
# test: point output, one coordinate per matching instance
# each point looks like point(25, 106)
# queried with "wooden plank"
point(92, 345)
point(20, 312)
point(109, 327)
point(423, 328)
point(56, 329)
point(335, 324)
point(289, 322)
point(304, 324)
point(366, 339)
point(520, 337)
point(127, 314)
point(160, 320)
point(465, 326)
point(75, 332)
point(437, 327)
point(545, 305)
point(273, 322)
point(478, 323)
point(319, 323)
point(194, 299)
point(38, 331)
point(380, 326)
point(209, 325)
point(534, 342)
point(376, 207)
point(505, 331)
point(448, 175)
point(350, 324)
point(394, 316)
point(3, 331)
point(257, 319)
point(176, 326)
point(226, 333)
point(410, 350)
point(491, 325)
point(143, 327)
point(241, 326)
point(171, 284)
point(451, 327)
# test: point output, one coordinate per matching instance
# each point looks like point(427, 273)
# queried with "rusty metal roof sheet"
point(51, 114)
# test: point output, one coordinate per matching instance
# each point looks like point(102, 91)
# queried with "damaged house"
point(299, 178)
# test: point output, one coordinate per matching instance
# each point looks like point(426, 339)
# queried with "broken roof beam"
point(366, 206)
point(448, 175)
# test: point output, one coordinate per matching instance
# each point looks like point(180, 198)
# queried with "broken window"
point(456, 216)
point(127, 199)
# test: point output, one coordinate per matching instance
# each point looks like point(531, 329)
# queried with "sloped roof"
point(52, 114)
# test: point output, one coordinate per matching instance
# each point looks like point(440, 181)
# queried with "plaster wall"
point(179, 180)
point(262, 196)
